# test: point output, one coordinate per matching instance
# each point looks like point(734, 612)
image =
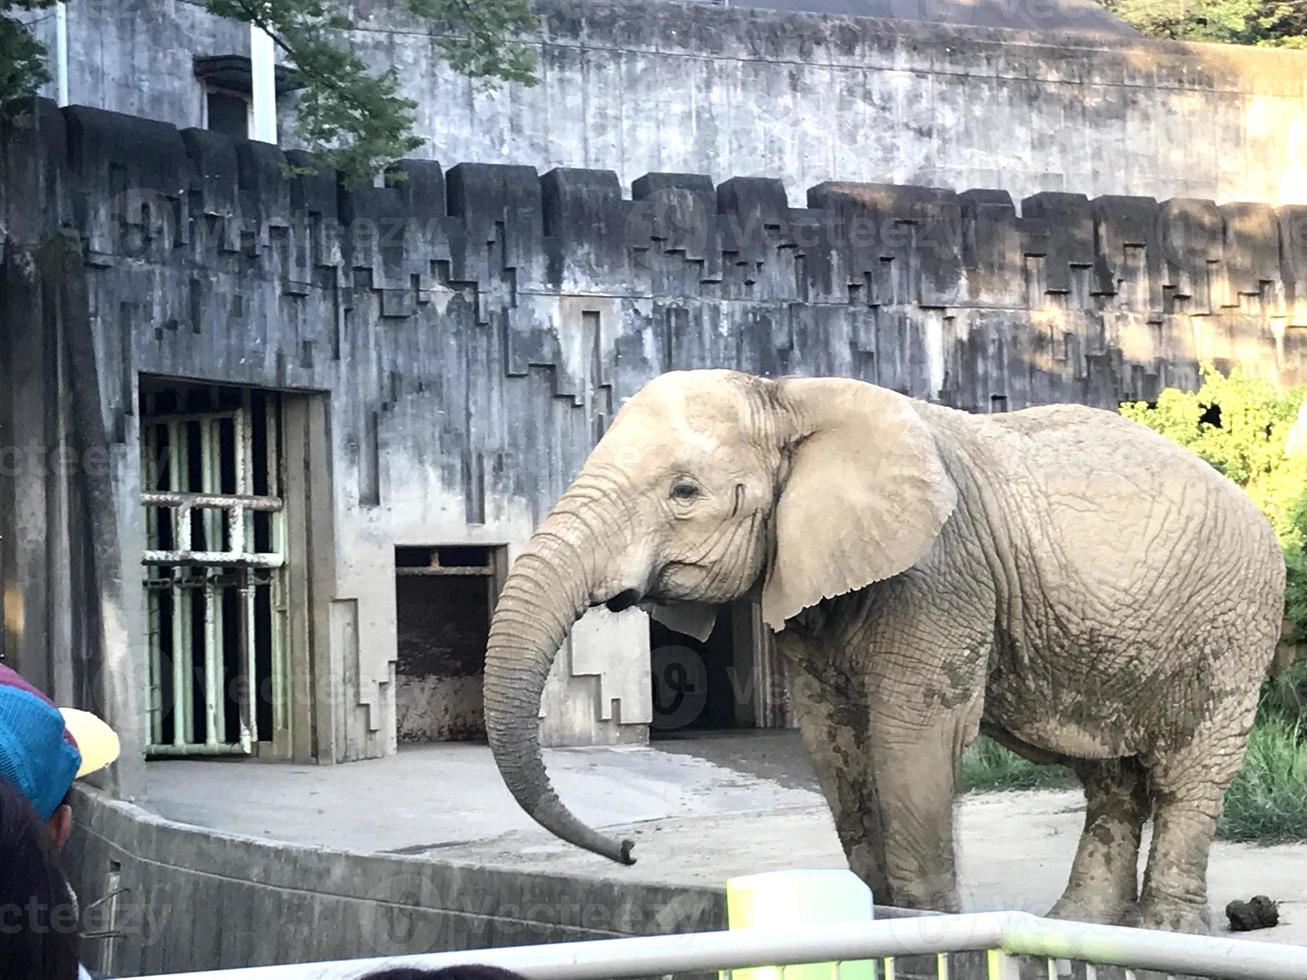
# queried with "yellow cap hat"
point(97, 742)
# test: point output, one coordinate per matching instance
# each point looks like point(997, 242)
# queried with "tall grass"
point(986, 765)
point(1268, 801)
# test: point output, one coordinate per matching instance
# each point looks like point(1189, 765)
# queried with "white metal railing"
point(1004, 936)
point(187, 508)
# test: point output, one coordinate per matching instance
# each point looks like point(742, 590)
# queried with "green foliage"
point(1268, 801)
point(484, 50)
point(22, 57)
point(1250, 445)
point(986, 765)
point(1270, 23)
point(351, 116)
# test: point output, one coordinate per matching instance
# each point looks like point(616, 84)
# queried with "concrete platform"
point(699, 809)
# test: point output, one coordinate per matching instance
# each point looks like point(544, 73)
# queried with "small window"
point(228, 114)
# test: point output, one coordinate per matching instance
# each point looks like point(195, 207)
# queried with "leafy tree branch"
point(1269, 23)
point(1255, 433)
point(350, 115)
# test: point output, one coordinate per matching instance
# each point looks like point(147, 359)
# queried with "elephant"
point(1060, 578)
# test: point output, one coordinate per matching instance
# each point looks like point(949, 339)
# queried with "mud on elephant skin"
point(1063, 578)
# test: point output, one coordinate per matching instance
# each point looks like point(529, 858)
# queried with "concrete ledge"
point(190, 898)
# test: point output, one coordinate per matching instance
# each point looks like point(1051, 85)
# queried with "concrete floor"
point(699, 810)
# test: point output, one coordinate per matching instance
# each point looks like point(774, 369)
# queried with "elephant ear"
point(866, 494)
point(695, 619)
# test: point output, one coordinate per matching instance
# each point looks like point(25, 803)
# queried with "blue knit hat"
point(39, 754)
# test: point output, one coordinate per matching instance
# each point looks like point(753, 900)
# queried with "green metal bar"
point(210, 471)
point(212, 657)
point(181, 606)
point(181, 660)
point(242, 539)
point(154, 696)
point(249, 689)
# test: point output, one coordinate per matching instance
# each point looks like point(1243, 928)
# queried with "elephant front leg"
point(832, 725)
point(890, 788)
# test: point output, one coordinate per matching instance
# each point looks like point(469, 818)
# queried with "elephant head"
point(707, 484)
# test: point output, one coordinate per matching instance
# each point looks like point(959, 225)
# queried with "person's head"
point(38, 914)
point(44, 748)
point(470, 972)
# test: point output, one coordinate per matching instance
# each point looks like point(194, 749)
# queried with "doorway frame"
point(494, 571)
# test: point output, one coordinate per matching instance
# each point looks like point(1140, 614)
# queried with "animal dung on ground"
point(1259, 912)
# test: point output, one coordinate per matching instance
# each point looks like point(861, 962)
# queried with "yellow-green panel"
point(784, 899)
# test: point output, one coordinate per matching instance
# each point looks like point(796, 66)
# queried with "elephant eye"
point(683, 490)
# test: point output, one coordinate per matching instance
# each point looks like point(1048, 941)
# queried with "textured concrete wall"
point(729, 91)
point(327, 904)
point(471, 331)
point(638, 87)
point(137, 56)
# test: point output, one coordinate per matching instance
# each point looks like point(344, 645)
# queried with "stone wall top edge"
point(146, 155)
point(758, 34)
point(130, 825)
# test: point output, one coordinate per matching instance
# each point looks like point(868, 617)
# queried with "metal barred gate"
point(215, 570)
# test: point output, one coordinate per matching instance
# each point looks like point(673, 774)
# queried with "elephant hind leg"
point(1103, 882)
point(1189, 787)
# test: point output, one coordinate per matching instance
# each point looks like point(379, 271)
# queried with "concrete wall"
point(329, 904)
point(466, 334)
point(638, 87)
point(326, 904)
point(730, 91)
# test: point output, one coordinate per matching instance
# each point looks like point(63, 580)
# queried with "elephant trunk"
point(547, 590)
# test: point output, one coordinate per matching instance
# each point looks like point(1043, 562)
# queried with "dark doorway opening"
point(701, 685)
point(444, 597)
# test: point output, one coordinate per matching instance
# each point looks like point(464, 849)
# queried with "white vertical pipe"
point(250, 709)
point(61, 52)
point(212, 655)
point(263, 86)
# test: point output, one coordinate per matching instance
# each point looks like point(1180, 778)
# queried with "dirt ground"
point(700, 810)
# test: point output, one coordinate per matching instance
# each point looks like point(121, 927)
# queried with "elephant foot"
point(1101, 910)
point(1171, 915)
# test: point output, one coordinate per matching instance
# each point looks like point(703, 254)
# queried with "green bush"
point(1242, 425)
point(1268, 801)
point(986, 765)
